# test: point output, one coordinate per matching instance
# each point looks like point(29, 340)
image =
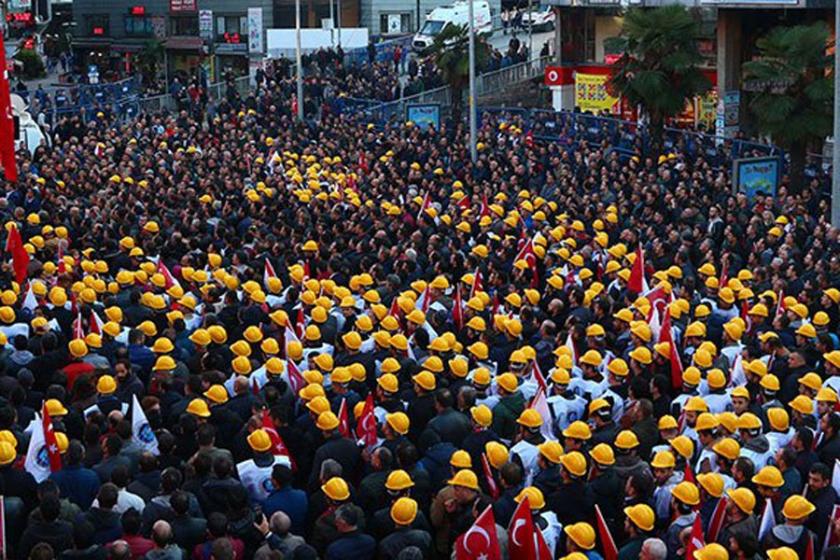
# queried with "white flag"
point(835, 477)
point(37, 459)
point(571, 346)
point(768, 520)
point(141, 432)
point(540, 404)
point(29, 302)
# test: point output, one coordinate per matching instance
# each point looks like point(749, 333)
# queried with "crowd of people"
point(234, 335)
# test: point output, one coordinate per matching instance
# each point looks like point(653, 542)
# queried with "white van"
point(30, 134)
point(456, 14)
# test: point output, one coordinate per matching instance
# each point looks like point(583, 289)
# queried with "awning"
point(184, 43)
point(126, 47)
point(92, 43)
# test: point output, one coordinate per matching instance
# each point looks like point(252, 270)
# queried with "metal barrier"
point(628, 137)
point(486, 84)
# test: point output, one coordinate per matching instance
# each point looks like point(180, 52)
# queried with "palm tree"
point(794, 102)
point(659, 67)
point(451, 55)
point(149, 58)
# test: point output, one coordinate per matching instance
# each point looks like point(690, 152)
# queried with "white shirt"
point(125, 501)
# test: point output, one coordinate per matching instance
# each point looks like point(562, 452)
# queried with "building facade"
point(211, 37)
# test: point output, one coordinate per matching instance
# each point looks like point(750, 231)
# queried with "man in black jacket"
point(49, 529)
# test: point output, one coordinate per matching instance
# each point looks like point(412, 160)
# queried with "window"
point(184, 25)
point(138, 26)
point(396, 23)
point(97, 25)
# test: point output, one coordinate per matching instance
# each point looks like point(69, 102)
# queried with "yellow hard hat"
point(106, 385)
point(582, 534)
point(336, 489)
point(641, 515)
point(398, 421)
point(259, 440)
point(404, 511)
point(769, 476)
point(687, 493)
point(464, 478)
point(198, 407)
point(797, 507)
point(743, 498)
point(398, 480)
point(602, 454)
point(536, 500)
point(712, 551)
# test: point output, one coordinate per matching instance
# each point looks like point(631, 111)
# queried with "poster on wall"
point(394, 23)
point(423, 115)
point(757, 175)
point(205, 24)
point(255, 31)
point(176, 6)
point(591, 94)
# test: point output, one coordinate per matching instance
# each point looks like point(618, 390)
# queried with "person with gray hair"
point(653, 549)
point(276, 534)
point(120, 550)
point(351, 542)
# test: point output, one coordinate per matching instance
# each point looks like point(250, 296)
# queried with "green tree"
point(33, 66)
point(149, 59)
point(795, 92)
point(451, 55)
point(659, 65)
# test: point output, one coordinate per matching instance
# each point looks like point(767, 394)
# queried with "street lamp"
point(472, 107)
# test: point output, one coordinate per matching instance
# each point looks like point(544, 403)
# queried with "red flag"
point(300, 323)
point(7, 122)
point(480, 540)
point(50, 443)
point(688, 474)
point(78, 326)
point(492, 487)
point(426, 298)
point(61, 266)
point(20, 258)
point(478, 283)
point(464, 203)
point(458, 309)
point(307, 272)
point(695, 541)
point(529, 139)
point(637, 281)
point(255, 386)
point(268, 272)
point(425, 204)
point(716, 521)
point(278, 446)
point(95, 323)
point(363, 164)
point(296, 380)
point(168, 279)
point(485, 207)
point(665, 335)
point(607, 541)
point(521, 541)
point(496, 303)
point(539, 378)
point(395, 309)
point(343, 422)
point(809, 549)
point(366, 424)
point(780, 305)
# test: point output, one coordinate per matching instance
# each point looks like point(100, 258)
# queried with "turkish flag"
point(268, 272)
point(478, 283)
point(278, 446)
point(168, 279)
point(296, 380)
point(20, 258)
point(716, 521)
point(366, 424)
point(492, 487)
point(343, 422)
point(480, 542)
point(688, 474)
point(49, 441)
point(485, 207)
point(695, 541)
point(637, 282)
point(607, 541)
point(665, 335)
point(458, 309)
point(7, 122)
point(521, 545)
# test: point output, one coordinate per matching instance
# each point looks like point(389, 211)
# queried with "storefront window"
point(395, 23)
point(138, 26)
point(184, 25)
point(97, 25)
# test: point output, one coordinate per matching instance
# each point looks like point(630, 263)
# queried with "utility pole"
point(472, 107)
point(530, 30)
point(332, 22)
point(835, 147)
point(299, 63)
point(558, 36)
